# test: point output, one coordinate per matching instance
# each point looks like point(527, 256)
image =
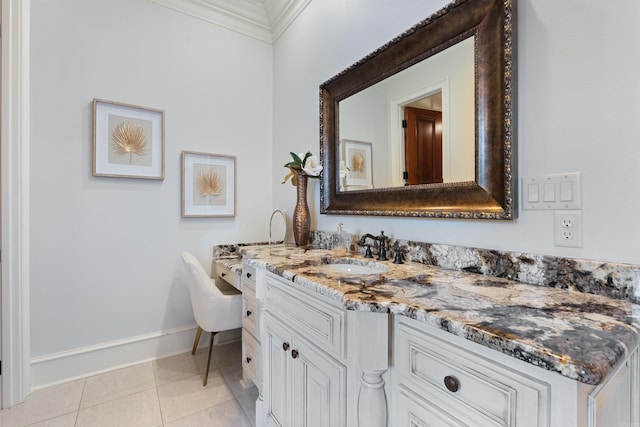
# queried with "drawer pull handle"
point(248, 275)
point(223, 274)
point(248, 313)
point(285, 346)
point(248, 359)
point(294, 353)
point(451, 383)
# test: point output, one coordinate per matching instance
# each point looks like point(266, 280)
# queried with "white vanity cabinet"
point(439, 379)
point(304, 370)
point(321, 365)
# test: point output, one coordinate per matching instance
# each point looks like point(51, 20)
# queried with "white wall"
point(105, 252)
point(577, 112)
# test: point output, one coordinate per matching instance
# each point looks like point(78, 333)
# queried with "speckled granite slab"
point(614, 280)
point(579, 335)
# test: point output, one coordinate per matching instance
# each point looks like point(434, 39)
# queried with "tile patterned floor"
point(166, 392)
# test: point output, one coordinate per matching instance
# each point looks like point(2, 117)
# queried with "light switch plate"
point(554, 192)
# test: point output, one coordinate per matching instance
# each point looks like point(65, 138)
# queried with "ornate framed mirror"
point(458, 63)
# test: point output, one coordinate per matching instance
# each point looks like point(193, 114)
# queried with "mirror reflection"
point(414, 127)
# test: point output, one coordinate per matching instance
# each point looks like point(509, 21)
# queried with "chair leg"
point(195, 343)
point(206, 374)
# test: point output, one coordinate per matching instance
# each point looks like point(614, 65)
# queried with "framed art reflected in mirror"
point(357, 164)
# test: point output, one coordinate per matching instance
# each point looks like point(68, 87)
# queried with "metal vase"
point(301, 215)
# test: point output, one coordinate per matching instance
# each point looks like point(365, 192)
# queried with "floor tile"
point(233, 377)
point(175, 368)
point(227, 414)
point(68, 420)
point(228, 354)
point(140, 409)
point(44, 404)
point(119, 383)
point(201, 361)
point(165, 391)
point(187, 396)
point(247, 401)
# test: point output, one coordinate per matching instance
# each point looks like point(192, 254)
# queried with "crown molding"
point(281, 13)
point(264, 20)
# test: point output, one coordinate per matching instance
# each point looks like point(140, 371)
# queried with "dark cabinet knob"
point(223, 274)
point(294, 353)
point(248, 359)
point(451, 383)
point(285, 346)
point(248, 313)
point(248, 275)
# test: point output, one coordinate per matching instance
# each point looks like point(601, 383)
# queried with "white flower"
point(302, 164)
point(312, 166)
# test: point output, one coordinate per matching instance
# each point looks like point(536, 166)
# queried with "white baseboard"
point(83, 362)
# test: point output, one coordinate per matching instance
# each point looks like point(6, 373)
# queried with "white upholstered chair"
point(214, 310)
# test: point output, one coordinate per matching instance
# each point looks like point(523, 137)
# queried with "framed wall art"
point(358, 158)
point(208, 185)
point(128, 140)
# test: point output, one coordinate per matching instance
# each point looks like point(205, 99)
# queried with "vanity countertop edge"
point(578, 335)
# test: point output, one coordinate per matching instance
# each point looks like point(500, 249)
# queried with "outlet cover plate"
point(567, 229)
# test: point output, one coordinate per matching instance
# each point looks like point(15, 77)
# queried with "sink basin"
point(353, 268)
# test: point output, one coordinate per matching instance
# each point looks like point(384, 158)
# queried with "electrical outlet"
point(567, 228)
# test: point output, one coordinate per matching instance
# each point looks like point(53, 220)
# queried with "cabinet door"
point(277, 394)
point(318, 386)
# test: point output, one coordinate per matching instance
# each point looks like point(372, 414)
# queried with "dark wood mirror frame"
point(491, 195)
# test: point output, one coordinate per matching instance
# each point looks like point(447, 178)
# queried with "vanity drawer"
point(250, 354)
point(249, 311)
point(248, 277)
point(225, 274)
point(483, 392)
point(307, 313)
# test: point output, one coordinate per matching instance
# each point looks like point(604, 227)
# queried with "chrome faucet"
point(382, 244)
point(284, 221)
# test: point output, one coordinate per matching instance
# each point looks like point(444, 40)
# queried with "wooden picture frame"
point(208, 185)
point(128, 140)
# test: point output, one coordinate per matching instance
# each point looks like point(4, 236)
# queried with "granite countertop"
point(233, 263)
point(579, 335)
